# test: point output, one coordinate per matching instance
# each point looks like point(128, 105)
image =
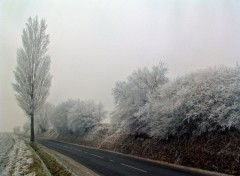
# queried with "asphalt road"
point(112, 164)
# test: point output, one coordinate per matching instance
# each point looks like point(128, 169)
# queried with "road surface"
point(112, 164)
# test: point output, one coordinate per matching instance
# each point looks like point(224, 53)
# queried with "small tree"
point(16, 129)
point(43, 117)
point(33, 79)
point(26, 127)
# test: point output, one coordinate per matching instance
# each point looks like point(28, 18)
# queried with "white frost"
point(18, 160)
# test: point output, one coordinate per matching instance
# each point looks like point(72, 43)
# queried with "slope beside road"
point(108, 163)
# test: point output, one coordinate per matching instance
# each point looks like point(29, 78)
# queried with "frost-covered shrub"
point(84, 116)
point(204, 101)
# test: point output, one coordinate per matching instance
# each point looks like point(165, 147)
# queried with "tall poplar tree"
point(33, 79)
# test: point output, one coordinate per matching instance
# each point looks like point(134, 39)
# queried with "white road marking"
point(112, 161)
point(97, 156)
point(70, 148)
point(134, 167)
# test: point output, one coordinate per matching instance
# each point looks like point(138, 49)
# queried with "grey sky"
point(95, 43)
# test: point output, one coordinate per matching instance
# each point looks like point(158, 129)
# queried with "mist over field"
point(94, 44)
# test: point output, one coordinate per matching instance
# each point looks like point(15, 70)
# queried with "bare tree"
point(33, 79)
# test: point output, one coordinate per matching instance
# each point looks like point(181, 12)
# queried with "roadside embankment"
point(217, 152)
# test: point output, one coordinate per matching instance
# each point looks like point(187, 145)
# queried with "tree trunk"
point(32, 128)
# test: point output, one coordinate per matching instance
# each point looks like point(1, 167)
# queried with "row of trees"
point(73, 117)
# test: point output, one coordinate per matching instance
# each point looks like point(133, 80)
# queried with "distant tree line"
point(72, 117)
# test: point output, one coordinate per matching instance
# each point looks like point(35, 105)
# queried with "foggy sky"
point(95, 43)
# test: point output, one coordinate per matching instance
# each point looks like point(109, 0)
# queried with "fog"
point(95, 43)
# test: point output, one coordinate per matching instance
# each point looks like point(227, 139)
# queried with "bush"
point(201, 102)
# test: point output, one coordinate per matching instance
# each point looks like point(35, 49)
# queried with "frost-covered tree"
point(33, 79)
point(201, 102)
point(43, 117)
point(150, 80)
point(59, 117)
point(16, 129)
point(26, 127)
point(131, 95)
point(84, 116)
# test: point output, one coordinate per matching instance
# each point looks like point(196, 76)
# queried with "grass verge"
point(53, 166)
point(37, 166)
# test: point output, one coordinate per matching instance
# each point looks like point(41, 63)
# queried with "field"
point(16, 158)
point(6, 144)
